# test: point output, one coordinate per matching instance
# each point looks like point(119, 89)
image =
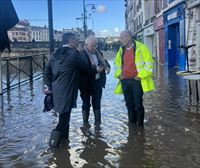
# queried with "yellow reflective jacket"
point(144, 66)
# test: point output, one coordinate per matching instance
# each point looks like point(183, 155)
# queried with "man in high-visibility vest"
point(134, 66)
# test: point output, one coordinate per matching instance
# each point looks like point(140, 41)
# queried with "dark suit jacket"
point(87, 80)
point(61, 75)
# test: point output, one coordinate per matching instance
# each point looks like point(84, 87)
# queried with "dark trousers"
point(94, 94)
point(63, 124)
point(133, 93)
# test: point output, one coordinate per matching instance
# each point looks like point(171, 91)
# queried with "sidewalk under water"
point(170, 138)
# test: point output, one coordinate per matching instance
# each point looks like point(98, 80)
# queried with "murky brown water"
point(170, 139)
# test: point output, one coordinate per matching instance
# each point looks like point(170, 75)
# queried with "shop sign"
point(172, 16)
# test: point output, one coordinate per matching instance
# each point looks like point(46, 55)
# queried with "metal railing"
point(21, 69)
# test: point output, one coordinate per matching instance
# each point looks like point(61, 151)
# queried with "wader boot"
point(55, 138)
point(132, 116)
point(65, 132)
point(140, 118)
point(97, 117)
point(85, 114)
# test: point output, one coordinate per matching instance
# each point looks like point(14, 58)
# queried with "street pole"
point(50, 17)
point(1, 86)
point(84, 20)
point(1, 89)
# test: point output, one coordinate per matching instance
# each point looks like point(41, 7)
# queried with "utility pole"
point(50, 17)
point(84, 20)
point(1, 86)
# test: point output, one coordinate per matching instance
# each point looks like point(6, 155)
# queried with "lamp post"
point(50, 17)
point(85, 16)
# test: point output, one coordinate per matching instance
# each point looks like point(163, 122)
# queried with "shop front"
point(174, 27)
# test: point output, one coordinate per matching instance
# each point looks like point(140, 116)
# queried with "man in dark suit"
point(91, 85)
point(61, 77)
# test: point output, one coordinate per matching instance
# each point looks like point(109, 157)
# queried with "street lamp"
point(85, 17)
point(50, 17)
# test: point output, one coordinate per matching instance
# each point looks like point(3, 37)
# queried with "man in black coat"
point(91, 85)
point(61, 77)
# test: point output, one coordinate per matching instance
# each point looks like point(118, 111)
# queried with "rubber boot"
point(140, 118)
point(85, 114)
point(132, 117)
point(97, 117)
point(65, 132)
point(55, 138)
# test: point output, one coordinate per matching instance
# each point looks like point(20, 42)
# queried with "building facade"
point(166, 26)
point(135, 18)
point(149, 33)
point(39, 34)
point(20, 32)
point(139, 20)
point(193, 33)
point(174, 27)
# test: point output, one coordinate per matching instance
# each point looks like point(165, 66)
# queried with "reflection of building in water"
point(94, 151)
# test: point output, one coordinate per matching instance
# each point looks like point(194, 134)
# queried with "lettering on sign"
point(172, 16)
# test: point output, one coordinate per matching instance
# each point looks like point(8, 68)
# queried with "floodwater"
point(170, 138)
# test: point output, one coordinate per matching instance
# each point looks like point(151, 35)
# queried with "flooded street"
point(170, 138)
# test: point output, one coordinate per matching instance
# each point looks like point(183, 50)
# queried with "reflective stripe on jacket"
point(144, 66)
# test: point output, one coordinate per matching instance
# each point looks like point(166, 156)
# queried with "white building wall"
point(149, 39)
point(39, 33)
point(193, 33)
point(149, 34)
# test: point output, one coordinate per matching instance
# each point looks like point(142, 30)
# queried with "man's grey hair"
point(127, 33)
point(90, 38)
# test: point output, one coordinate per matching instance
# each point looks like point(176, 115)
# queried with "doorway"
point(173, 43)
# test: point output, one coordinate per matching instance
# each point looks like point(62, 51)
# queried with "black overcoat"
point(61, 76)
point(87, 80)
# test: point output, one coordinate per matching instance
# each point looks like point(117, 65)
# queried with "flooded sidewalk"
point(170, 138)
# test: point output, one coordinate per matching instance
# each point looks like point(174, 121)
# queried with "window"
point(170, 1)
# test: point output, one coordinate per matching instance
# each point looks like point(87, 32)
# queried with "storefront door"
point(173, 45)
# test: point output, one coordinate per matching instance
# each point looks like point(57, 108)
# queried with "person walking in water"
point(91, 85)
point(61, 77)
point(134, 66)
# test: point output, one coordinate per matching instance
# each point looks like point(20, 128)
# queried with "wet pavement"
point(170, 138)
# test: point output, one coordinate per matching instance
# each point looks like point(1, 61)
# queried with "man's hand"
point(121, 76)
point(137, 78)
point(46, 90)
point(107, 69)
point(99, 69)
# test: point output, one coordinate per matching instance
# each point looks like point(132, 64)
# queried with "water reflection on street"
point(170, 138)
